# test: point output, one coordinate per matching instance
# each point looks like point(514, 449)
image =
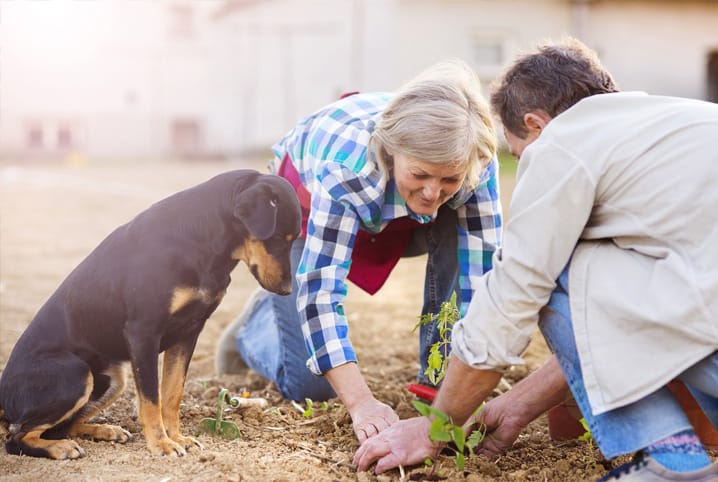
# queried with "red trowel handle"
point(422, 391)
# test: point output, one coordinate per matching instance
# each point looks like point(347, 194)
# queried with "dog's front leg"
point(144, 355)
point(174, 372)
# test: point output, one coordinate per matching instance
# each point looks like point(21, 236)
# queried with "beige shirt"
point(627, 184)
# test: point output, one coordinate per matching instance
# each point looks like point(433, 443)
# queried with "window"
point(34, 136)
point(488, 53)
point(64, 137)
point(186, 137)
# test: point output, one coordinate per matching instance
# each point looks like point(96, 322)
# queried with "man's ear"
point(536, 120)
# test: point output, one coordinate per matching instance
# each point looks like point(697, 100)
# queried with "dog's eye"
point(273, 203)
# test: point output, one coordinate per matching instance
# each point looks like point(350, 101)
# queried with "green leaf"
point(422, 407)
point(438, 414)
point(587, 435)
point(435, 359)
point(476, 437)
point(424, 320)
point(459, 437)
point(310, 407)
point(438, 432)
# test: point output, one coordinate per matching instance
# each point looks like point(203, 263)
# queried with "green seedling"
point(586, 436)
point(439, 351)
point(443, 430)
point(311, 406)
point(217, 426)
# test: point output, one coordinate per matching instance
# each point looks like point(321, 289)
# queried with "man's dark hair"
point(552, 78)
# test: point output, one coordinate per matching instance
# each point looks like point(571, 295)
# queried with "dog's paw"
point(64, 450)
point(111, 433)
point(104, 432)
point(166, 446)
point(188, 442)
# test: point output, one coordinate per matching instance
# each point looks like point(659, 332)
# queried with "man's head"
point(541, 84)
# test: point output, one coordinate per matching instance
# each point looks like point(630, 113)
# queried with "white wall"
point(658, 47)
point(115, 73)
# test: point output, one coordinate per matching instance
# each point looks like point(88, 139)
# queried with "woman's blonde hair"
point(440, 117)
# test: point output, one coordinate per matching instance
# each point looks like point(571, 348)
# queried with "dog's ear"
point(256, 208)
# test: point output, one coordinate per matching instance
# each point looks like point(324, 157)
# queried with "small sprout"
point(309, 411)
point(311, 406)
point(587, 436)
point(442, 427)
point(438, 357)
point(444, 430)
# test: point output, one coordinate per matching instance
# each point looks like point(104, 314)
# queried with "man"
point(611, 249)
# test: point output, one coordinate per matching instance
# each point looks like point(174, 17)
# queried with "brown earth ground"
point(52, 215)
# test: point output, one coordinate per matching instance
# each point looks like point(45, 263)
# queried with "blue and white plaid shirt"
point(350, 192)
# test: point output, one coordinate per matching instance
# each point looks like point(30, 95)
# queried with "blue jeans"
point(639, 424)
point(271, 342)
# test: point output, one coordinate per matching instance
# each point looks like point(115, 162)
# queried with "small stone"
point(206, 457)
point(563, 467)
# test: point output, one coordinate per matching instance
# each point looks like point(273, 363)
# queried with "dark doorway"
point(713, 76)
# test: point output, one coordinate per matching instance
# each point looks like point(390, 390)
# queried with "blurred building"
point(145, 79)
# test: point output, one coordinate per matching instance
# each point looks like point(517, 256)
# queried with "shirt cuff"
point(333, 354)
point(474, 351)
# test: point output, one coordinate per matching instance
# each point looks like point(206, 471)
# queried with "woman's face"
point(425, 186)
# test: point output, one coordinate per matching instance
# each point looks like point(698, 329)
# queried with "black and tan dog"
point(147, 288)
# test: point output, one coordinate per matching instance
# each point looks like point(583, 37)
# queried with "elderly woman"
point(379, 176)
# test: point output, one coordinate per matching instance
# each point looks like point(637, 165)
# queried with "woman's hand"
point(404, 443)
point(370, 416)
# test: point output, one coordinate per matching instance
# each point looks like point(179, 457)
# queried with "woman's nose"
point(432, 189)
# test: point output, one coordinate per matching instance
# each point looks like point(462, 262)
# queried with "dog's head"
point(269, 210)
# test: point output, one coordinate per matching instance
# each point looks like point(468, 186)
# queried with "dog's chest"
point(190, 307)
point(186, 298)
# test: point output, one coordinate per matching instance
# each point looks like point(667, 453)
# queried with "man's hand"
point(503, 426)
point(370, 416)
point(507, 415)
point(404, 443)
